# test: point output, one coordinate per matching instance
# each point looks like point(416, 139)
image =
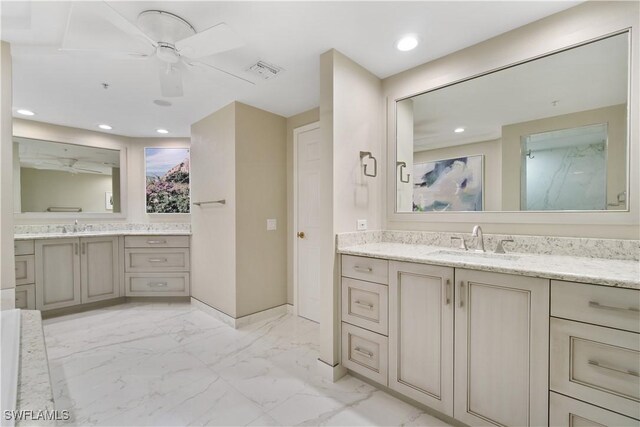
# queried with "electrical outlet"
point(362, 224)
point(272, 225)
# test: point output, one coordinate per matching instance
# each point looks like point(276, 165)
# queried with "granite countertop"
point(609, 272)
point(98, 233)
point(34, 383)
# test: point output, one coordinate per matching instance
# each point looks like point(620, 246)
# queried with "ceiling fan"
point(97, 27)
point(63, 164)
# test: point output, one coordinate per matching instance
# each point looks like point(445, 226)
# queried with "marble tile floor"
point(161, 364)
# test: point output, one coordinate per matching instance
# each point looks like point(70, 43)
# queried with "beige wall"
point(239, 154)
point(294, 122)
point(7, 275)
point(261, 194)
point(351, 112)
point(134, 170)
point(615, 116)
point(581, 23)
point(42, 189)
point(490, 150)
point(213, 240)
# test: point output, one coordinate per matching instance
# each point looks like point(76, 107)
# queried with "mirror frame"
point(111, 145)
point(505, 51)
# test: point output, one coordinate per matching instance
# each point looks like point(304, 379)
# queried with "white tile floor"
point(171, 364)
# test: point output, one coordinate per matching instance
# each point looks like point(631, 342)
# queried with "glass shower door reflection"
point(565, 169)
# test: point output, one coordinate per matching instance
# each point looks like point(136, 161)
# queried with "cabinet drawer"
point(23, 247)
point(26, 297)
point(369, 269)
point(366, 305)
point(595, 364)
point(601, 305)
point(149, 260)
point(149, 284)
point(365, 352)
point(25, 269)
point(156, 241)
point(567, 412)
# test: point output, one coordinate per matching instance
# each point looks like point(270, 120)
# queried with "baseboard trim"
point(331, 373)
point(239, 322)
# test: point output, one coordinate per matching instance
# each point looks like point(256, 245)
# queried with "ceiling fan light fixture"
point(25, 112)
point(162, 131)
point(105, 126)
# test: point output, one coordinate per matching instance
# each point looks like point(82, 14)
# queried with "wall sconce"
point(402, 166)
point(364, 154)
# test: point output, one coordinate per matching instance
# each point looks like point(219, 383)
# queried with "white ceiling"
point(64, 88)
point(584, 78)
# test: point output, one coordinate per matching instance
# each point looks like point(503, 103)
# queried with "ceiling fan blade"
point(216, 39)
point(88, 170)
point(219, 73)
point(38, 51)
point(171, 81)
point(96, 26)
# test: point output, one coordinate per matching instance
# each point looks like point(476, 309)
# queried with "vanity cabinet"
point(76, 270)
point(471, 344)
point(25, 274)
point(421, 333)
point(156, 265)
point(598, 362)
point(57, 273)
point(501, 349)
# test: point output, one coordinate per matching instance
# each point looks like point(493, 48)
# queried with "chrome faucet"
point(477, 232)
point(75, 226)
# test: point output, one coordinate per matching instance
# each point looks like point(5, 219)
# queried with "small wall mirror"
point(61, 178)
point(550, 134)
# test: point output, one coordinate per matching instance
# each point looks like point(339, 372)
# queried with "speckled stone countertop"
point(34, 384)
point(41, 236)
point(56, 231)
point(609, 272)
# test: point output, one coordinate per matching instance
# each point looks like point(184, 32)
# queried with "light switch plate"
point(272, 224)
point(362, 224)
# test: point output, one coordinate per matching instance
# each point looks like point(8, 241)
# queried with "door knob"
point(301, 234)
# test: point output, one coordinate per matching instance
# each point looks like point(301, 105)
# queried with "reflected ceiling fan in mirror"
point(97, 27)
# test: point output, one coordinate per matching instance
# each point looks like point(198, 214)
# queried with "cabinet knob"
point(301, 234)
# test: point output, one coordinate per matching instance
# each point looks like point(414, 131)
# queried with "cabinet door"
point(57, 273)
point(502, 349)
point(421, 333)
point(99, 268)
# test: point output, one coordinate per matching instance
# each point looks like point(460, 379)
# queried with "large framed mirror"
point(544, 135)
point(55, 179)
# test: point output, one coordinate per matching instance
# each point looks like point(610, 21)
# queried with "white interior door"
point(307, 140)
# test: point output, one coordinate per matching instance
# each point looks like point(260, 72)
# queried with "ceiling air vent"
point(265, 70)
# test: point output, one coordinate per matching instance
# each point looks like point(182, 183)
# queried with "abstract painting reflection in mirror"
point(448, 185)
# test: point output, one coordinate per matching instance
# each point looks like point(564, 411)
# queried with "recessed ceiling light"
point(162, 103)
point(407, 43)
point(26, 112)
point(105, 127)
point(458, 130)
point(162, 131)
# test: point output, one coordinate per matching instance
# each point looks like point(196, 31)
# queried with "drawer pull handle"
point(365, 269)
point(157, 285)
point(594, 304)
point(156, 242)
point(157, 260)
point(610, 368)
point(362, 352)
point(447, 292)
point(364, 305)
point(461, 296)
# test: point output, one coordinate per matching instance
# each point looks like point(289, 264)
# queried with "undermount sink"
point(476, 255)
